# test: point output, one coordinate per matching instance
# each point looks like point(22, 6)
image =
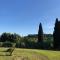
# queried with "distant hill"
point(46, 36)
point(36, 35)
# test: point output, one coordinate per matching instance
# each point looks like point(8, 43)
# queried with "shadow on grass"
point(5, 55)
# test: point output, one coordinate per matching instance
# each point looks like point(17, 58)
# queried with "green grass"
point(29, 54)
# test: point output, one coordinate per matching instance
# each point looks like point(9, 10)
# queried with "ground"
point(29, 54)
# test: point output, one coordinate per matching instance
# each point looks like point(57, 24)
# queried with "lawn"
point(29, 54)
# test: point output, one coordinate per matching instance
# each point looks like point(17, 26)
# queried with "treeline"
point(30, 41)
point(8, 39)
point(34, 41)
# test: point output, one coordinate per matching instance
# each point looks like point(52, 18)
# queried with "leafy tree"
point(9, 37)
point(4, 37)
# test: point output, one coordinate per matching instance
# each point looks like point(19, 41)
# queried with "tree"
point(40, 37)
point(9, 37)
point(4, 37)
point(56, 35)
point(40, 33)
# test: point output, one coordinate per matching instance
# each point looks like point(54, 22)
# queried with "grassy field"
point(29, 54)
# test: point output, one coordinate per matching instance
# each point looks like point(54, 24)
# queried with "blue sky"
point(23, 16)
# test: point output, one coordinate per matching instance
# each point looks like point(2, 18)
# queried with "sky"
point(23, 16)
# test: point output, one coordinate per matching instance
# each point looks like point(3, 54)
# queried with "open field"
point(29, 54)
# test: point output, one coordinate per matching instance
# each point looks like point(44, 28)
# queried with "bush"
point(7, 44)
point(1, 44)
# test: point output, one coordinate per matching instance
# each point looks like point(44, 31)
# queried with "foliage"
point(9, 37)
point(40, 37)
point(40, 33)
point(30, 41)
point(7, 44)
point(56, 35)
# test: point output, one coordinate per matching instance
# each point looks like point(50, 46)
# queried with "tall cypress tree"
point(40, 33)
point(56, 35)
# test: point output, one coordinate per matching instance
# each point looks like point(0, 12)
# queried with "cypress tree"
point(56, 35)
point(40, 33)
